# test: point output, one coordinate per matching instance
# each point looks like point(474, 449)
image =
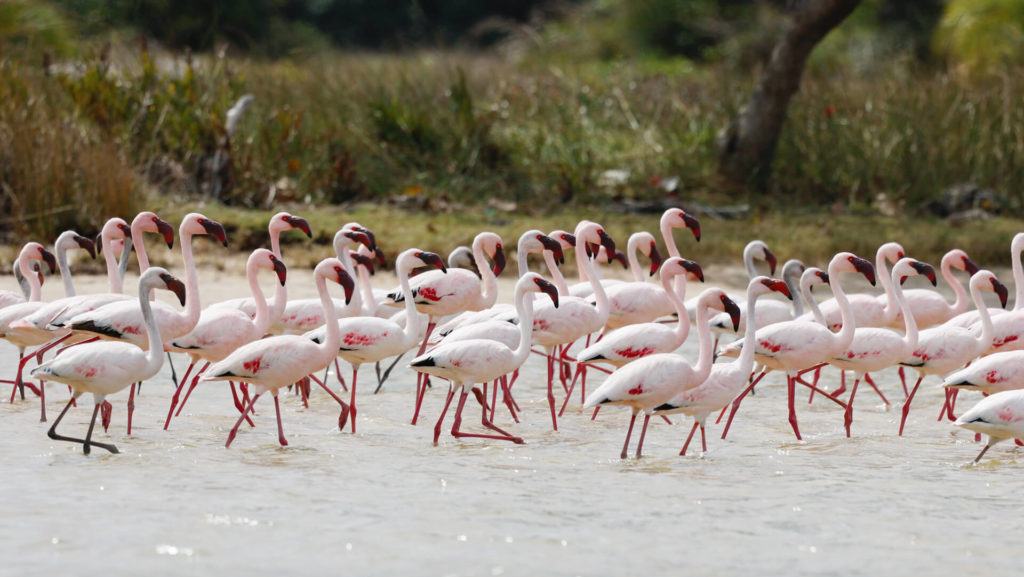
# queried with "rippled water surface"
point(388, 502)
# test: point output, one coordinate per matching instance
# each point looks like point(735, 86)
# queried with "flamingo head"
point(862, 266)
point(36, 251)
point(547, 288)
point(1000, 290)
point(655, 257)
point(676, 265)
point(354, 235)
point(431, 259)
point(147, 221)
point(86, 244)
point(619, 257)
point(381, 258)
point(288, 221)
point(924, 269)
point(968, 265)
point(345, 280)
point(499, 259)
point(891, 251)
point(553, 245)
point(363, 261)
point(279, 268)
point(566, 239)
point(775, 285)
point(363, 235)
point(820, 275)
point(733, 310)
point(677, 217)
point(174, 285)
point(606, 241)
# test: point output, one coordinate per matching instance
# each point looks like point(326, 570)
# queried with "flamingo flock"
point(450, 319)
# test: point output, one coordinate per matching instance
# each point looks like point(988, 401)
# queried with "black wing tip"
point(665, 407)
point(92, 327)
point(426, 362)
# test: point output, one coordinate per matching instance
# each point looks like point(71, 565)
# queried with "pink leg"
point(791, 390)
point(344, 407)
point(280, 427)
point(42, 401)
point(421, 388)
point(106, 409)
point(192, 387)
point(703, 440)
point(447, 402)
point(739, 399)
point(506, 393)
point(337, 373)
point(572, 387)
point(952, 404)
point(551, 392)
point(906, 404)
point(903, 380)
point(240, 402)
point(643, 433)
point(688, 438)
point(848, 417)
point(629, 431)
point(503, 435)
point(870, 381)
point(43, 349)
point(352, 402)
point(721, 414)
point(131, 408)
point(238, 423)
point(177, 392)
point(494, 396)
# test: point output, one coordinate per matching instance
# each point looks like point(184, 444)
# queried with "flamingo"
point(575, 317)
point(32, 251)
point(725, 380)
point(8, 298)
point(755, 249)
point(929, 307)
point(278, 361)
point(1000, 416)
point(103, 368)
point(1002, 371)
point(870, 310)
point(945, 348)
point(769, 311)
point(279, 223)
point(653, 380)
point(371, 339)
point(482, 360)
point(221, 330)
point(625, 345)
point(971, 317)
point(873, 348)
point(438, 294)
point(796, 346)
point(638, 301)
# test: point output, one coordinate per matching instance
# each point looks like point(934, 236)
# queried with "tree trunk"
point(747, 146)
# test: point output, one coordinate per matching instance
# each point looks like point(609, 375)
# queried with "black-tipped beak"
point(382, 260)
point(360, 237)
point(772, 261)
point(693, 224)
point(175, 286)
point(127, 230)
point(779, 287)
point(1000, 289)
point(569, 238)
point(215, 229)
point(592, 249)
point(824, 277)
point(970, 266)
point(363, 260)
point(86, 244)
point(865, 268)
point(165, 230)
point(98, 243)
point(49, 259)
point(693, 268)
point(432, 259)
point(280, 269)
point(734, 312)
point(346, 282)
point(926, 270)
point(620, 257)
point(551, 244)
point(369, 235)
point(549, 289)
point(655, 259)
point(499, 260)
point(299, 223)
point(607, 242)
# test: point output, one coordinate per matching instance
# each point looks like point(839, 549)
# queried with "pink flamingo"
point(945, 348)
point(995, 373)
point(971, 317)
point(753, 250)
point(796, 346)
point(653, 380)
point(874, 348)
point(8, 298)
point(278, 361)
point(929, 307)
point(438, 294)
point(104, 368)
point(482, 360)
point(638, 301)
point(725, 380)
point(870, 310)
point(1000, 416)
point(371, 339)
point(575, 317)
point(32, 251)
point(221, 330)
point(769, 312)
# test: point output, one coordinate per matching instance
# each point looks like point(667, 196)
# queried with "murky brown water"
point(387, 502)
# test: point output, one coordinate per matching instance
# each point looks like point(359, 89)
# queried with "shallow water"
point(386, 501)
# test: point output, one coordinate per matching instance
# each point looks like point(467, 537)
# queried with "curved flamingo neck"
point(413, 319)
point(192, 306)
point(666, 234)
point(489, 284)
point(987, 330)
point(23, 284)
point(62, 266)
point(960, 303)
point(261, 320)
point(1016, 247)
point(632, 245)
point(882, 268)
point(805, 291)
point(587, 266)
point(844, 337)
point(115, 282)
point(366, 289)
point(275, 241)
point(35, 291)
point(909, 322)
point(682, 328)
point(748, 260)
point(556, 273)
point(328, 349)
point(705, 359)
point(140, 247)
point(155, 354)
point(524, 308)
point(746, 358)
point(341, 249)
point(792, 280)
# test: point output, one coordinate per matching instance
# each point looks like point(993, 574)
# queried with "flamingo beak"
point(499, 260)
point(98, 243)
point(552, 245)
point(655, 257)
point(381, 258)
point(363, 260)
point(299, 223)
point(620, 257)
point(125, 230)
point(772, 261)
point(569, 238)
point(779, 287)
point(865, 268)
point(346, 282)
point(165, 230)
point(433, 259)
point(970, 266)
point(693, 224)
point(49, 259)
point(607, 242)
point(370, 236)
point(281, 270)
point(733, 310)
point(86, 244)
point(925, 270)
point(215, 229)
point(549, 289)
point(824, 277)
point(693, 269)
point(175, 286)
point(1000, 289)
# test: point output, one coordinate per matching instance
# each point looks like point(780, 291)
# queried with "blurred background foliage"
point(441, 104)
